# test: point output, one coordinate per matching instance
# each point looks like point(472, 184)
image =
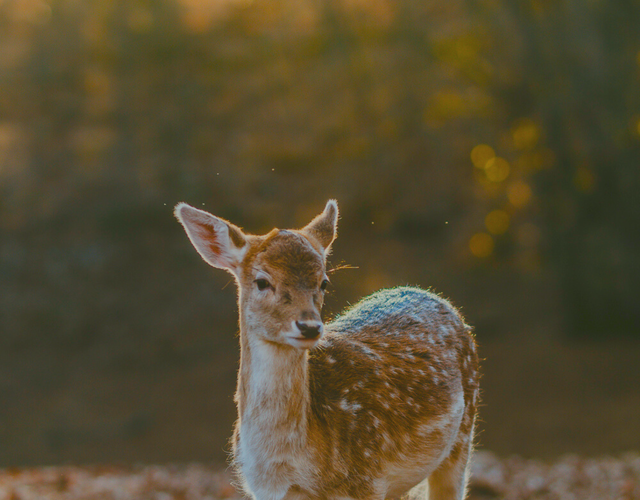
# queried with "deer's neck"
point(273, 388)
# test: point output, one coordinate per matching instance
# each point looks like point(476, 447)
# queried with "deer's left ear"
point(324, 227)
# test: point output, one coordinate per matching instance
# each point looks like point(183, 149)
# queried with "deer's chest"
point(271, 455)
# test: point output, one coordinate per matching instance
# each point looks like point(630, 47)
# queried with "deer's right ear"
point(220, 243)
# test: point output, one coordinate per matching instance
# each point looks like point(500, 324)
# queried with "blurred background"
point(489, 149)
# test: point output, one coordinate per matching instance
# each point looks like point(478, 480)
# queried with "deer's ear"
point(220, 243)
point(324, 227)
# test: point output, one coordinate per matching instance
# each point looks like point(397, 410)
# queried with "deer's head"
point(281, 275)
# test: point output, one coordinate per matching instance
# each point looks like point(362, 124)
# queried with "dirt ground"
point(568, 478)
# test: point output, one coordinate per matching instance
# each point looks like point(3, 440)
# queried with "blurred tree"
point(495, 139)
point(571, 67)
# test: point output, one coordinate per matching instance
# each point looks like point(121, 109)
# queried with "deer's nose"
point(309, 329)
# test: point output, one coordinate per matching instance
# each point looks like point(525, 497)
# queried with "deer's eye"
point(324, 285)
point(262, 284)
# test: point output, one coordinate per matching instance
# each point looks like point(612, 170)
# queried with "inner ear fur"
point(220, 243)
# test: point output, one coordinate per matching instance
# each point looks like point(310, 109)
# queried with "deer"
point(377, 403)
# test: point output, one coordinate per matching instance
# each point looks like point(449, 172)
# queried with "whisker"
point(341, 267)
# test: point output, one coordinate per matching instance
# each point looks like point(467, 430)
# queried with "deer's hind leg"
point(449, 480)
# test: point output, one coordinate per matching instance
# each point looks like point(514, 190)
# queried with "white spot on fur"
point(350, 407)
point(369, 352)
point(330, 360)
point(388, 442)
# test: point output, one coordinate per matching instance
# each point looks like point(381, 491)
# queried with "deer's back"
point(394, 381)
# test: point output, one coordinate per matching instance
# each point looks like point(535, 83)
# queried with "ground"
point(568, 478)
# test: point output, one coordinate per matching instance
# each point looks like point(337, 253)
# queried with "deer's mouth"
point(301, 342)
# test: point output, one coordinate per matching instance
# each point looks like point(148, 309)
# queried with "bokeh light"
point(497, 221)
point(481, 245)
point(497, 169)
point(35, 12)
point(525, 134)
point(519, 193)
point(481, 154)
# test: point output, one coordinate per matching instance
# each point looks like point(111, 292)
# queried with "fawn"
point(378, 401)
